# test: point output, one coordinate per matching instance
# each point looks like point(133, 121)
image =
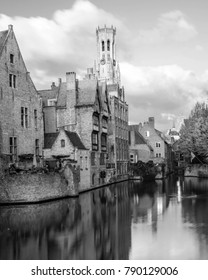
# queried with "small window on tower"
point(103, 46)
point(108, 45)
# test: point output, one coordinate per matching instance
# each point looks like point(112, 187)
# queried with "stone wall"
point(23, 94)
point(33, 187)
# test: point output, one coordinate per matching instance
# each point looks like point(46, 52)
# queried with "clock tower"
point(106, 65)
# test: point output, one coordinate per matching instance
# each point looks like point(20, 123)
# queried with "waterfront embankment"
point(196, 170)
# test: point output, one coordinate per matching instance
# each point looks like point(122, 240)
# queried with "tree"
point(194, 133)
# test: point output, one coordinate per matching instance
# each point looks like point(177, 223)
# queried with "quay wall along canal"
point(34, 188)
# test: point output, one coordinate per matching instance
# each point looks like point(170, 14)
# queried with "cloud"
point(199, 48)
point(65, 42)
point(170, 26)
point(165, 92)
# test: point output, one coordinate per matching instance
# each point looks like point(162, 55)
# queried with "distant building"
point(172, 135)
point(21, 120)
point(139, 149)
point(162, 151)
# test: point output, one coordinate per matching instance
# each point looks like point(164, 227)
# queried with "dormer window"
point(11, 58)
point(103, 46)
point(108, 45)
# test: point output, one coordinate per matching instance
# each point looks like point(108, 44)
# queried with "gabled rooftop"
point(3, 36)
point(50, 138)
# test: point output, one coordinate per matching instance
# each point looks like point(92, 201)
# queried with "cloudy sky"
point(162, 48)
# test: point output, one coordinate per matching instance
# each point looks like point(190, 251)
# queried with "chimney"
point(53, 86)
point(152, 122)
point(71, 80)
point(59, 81)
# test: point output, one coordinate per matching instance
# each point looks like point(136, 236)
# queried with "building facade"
point(139, 149)
point(107, 70)
point(82, 107)
point(21, 119)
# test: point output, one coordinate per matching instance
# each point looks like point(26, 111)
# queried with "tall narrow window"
point(86, 163)
point(35, 119)
point(108, 45)
point(13, 148)
point(11, 58)
point(37, 147)
point(103, 142)
point(103, 46)
point(12, 80)
point(24, 117)
point(94, 141)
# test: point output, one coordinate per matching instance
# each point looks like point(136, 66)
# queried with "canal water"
point(130, 220)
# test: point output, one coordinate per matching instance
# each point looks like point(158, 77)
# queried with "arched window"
point(108, 45)
point(103, 46)
point(62, 143)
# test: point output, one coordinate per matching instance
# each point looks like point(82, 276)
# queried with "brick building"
point(82, 106)
point(107, 70)
point(21, 122)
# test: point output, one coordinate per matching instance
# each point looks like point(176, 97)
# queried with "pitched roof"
point(162, 136)
point(49, 139)
point(75, 140)
point(3, 36)
point(139, 139)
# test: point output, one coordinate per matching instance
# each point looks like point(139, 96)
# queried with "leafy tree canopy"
point(194, 133)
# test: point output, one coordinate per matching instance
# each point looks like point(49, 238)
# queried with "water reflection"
point(129, 220)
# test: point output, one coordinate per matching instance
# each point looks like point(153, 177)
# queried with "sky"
point(161, 48)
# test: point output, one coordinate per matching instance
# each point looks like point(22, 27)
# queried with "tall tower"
point(107, 66)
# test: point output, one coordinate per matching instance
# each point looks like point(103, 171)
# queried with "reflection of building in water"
point(26, 232)
point(95, 226)
point(149, 204)
point(112, 222)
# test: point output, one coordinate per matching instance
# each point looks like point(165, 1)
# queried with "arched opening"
point(108, 45)
point(103, 46)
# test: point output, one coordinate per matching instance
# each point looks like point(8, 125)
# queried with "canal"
point(130, 220)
